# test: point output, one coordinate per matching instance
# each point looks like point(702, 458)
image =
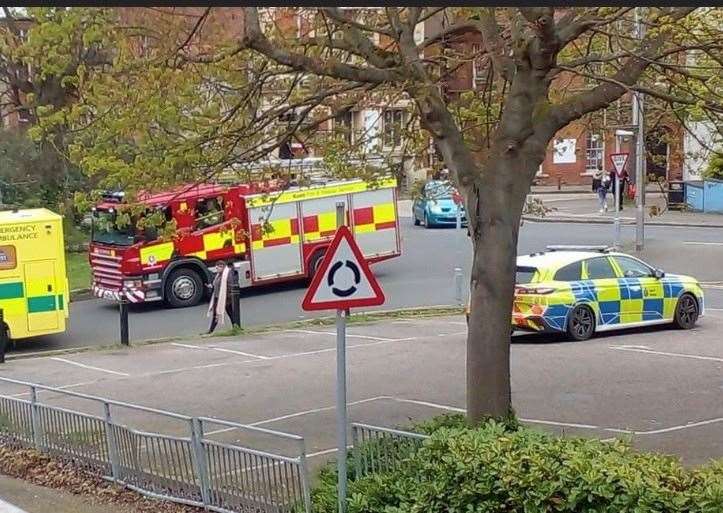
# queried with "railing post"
point(355, 451)
point(35, 419)
point(305, 489)
point(198, 455)
point(112, 444)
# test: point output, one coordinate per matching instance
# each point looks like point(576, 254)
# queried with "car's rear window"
point(525, 274)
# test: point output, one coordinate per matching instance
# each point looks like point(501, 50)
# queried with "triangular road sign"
point(344, 279)
point(619, 160)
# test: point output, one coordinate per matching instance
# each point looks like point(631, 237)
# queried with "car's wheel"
point(686, 312)
point(416, 219)
point(427, 224)
point(184, 287)
point(581, 323)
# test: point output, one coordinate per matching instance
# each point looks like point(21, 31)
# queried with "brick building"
point(378, 127)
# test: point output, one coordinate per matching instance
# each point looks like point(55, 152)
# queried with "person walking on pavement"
point(600, 185)
point(618, 191)
point(221, 297)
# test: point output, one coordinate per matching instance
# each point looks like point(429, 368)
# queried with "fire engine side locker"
point(280, 253)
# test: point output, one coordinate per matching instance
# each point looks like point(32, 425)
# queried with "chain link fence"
point(189, 468)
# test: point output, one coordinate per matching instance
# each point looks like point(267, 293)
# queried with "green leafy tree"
point(179, 111)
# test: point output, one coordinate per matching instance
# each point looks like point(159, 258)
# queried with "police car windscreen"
point(525, 274)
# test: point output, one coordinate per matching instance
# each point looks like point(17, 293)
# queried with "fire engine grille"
point(106, 271)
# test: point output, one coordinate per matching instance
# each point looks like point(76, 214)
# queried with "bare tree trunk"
point(495, 233)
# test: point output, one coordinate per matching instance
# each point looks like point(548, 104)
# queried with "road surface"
point(422, 276)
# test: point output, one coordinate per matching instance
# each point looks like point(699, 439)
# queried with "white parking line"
point(298, 414)
point(670, 429)
point(90, 367)
point(700, 243)
point(348, 335)
point(646, 350)
point(220, 349)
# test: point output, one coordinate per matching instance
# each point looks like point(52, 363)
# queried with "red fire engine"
point(271, 236)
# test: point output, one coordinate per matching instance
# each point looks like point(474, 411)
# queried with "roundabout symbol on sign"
point(331, 278)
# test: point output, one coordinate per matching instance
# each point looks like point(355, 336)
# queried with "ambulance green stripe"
point(61, 304)
point(11, 290)
point(41, 304)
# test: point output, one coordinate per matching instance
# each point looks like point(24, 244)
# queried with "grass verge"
point(78, 270)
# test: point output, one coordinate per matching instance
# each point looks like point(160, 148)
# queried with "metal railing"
point(189, 468)
point(379, 449)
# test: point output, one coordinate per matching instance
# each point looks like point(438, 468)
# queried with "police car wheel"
point(581, 323)
point(184, 287)
point(686, 312)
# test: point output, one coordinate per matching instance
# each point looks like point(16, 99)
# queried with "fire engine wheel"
point(184, 287)
point(314, 263)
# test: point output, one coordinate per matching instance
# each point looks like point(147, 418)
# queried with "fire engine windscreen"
point(105, 230)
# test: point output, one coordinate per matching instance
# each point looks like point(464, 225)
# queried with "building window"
point(24, 115)
point(594, 152)
point(392, 130)
point(343, 125)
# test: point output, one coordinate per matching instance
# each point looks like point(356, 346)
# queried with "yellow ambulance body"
point(33, 282)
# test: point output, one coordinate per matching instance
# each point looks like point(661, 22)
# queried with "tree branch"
point(255, 39)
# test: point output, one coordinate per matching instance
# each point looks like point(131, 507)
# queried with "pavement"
point(662, 387)
point(575, 207)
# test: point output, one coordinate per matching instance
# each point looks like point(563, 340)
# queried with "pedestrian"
point(221, 297)
point(600, 185)
point(618, 191)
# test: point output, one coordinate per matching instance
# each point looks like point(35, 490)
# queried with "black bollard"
point(3, 337)
point(124, 321)
point(236, 305)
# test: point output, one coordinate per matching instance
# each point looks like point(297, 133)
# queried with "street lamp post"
point(638, 120)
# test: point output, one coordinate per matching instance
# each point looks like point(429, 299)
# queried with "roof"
point(556, 258)
point(30, 215)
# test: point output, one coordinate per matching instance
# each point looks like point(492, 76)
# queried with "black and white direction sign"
point(344, 279)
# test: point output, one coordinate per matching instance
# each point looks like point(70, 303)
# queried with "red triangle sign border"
point(308, 302)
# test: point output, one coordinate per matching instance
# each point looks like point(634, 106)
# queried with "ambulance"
point(33, 282)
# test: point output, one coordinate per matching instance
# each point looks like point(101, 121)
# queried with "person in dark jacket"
point(619, 192)
point(225, 278)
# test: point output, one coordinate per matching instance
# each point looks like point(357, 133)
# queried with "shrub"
point(714, 171)
point(495, 469)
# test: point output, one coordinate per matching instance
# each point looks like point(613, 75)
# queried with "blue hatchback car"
point(436, 207)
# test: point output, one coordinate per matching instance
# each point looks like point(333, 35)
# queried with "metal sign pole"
point(617, 210)
point(458, 268)
point(341, 412)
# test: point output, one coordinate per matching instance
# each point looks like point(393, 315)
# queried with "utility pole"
point(640, 178)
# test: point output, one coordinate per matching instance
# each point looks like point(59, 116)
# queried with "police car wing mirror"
point(658, 273)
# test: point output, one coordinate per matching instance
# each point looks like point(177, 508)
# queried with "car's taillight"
point(534, 290)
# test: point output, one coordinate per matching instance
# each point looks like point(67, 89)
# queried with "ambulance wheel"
point(581, 323)
point(686, 312)
point(184, 287)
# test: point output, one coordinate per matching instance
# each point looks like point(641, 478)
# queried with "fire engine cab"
point(272, 234)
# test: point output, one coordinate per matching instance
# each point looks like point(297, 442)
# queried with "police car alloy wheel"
point(581, 323)
point(686, 312)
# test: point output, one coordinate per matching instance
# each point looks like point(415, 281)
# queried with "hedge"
point(501, 467)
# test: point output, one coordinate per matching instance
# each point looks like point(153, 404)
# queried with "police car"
point(582, 290)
